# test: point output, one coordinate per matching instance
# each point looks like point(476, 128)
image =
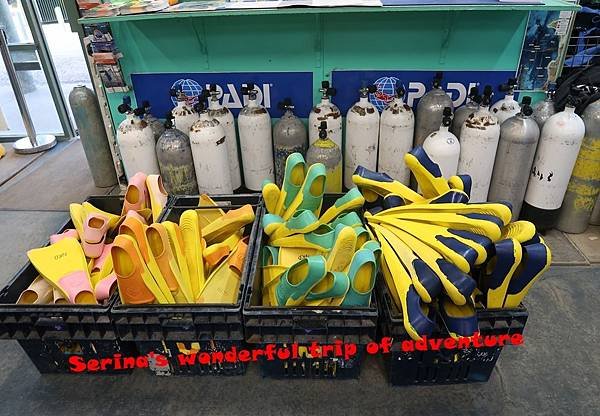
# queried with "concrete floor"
point(556, 371)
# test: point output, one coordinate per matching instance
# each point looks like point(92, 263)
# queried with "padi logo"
point(386, 90)
point(231, 97)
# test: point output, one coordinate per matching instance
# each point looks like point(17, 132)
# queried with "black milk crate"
point(444, 366)
point(283, 327)
point(50, 334)
point(166, 330)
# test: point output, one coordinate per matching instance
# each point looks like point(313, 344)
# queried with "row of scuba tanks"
point(509, 154)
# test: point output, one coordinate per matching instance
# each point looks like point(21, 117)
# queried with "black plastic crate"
point(157, 328)
point(304, 325)
point(222, 200)
point(444, 366)
point(44, 330)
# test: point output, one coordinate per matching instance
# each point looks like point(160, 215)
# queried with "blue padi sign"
point(272, 87)
point(416, 84)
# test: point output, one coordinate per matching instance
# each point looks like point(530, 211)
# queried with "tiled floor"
point(556, 372)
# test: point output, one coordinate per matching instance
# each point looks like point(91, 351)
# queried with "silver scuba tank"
point(544, 109)
point(175, 160)
point(157, 127)
point(584, 185)
point(225, 118)
point(443, 147)
point(209, 150)
point(289, 136)
point(327, 152)
point(507, 106)
point(256, 145)
point(325, 111)
point(519, 136)
point(362, 134)
point(430, 110)
point(136, 143)
point(553, 164)
point(478, 144)
point(183, 113)
point(396, 131)
point(461, 113)
point(595, 218)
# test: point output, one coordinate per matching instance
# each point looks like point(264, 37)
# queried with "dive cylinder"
point(183, 113)
point(256, 145)
point(544, 109)
point(396, 130)
point(461, 113)
point(88, 118)
point(325, 111)
point(595, 219)
point(430, 110)
point(584, 186)
point(222, 114)
point(443, 147)
point(289, 136)
point(157, 127)
point(506, 107)
point(327, 152)
point(479, 138)
point(175, 160)
point(519, 136)
point(209, 150)
point(136, 143)
point(553, 164)
point(362, 134)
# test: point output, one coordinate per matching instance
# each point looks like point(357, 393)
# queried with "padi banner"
point(416, 84)
point(272, 88)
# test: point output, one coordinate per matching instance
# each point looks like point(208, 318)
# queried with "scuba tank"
point(325, 111)
point(87, 115)
point(557, 151)
point(327, 152)
point(396, 130)
point(478, 144)
point(430, 110)
point(175, 160)
point(595, 218)
point(519, 137)
point(584, 186)
point(443, 147)
point(136, 142)
point(544, 109)
point(256, 145)
point(362, 134)
point(209, 149)
point(222, 114)
point(461, 113)
point(154, 123)
point(183, 113)
point(289, 136)
point(506, 107)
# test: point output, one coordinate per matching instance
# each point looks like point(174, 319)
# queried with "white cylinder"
point(396, 131)
point(444, 149)
point(479, 138)
point(554, 160)
point(183, 117)
point(209, 150)
point(137, 147)
point(362, 136)
point(325, 111)
point(225, 118)
point(256, 145)
point(505, 108)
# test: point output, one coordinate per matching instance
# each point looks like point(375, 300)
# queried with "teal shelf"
point(547, 5)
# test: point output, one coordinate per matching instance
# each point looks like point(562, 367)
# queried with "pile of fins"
point(315, 258)
point(442, 253)
point(77, 266)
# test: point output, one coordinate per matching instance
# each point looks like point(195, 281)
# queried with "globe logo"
point(386, 90)
point(190, 88)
